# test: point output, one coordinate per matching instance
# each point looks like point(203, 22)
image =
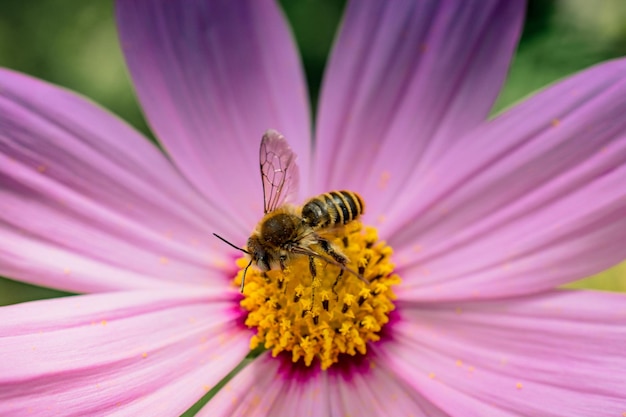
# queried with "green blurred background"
point(73, 43)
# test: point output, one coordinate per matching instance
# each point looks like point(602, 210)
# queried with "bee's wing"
point(279, 171)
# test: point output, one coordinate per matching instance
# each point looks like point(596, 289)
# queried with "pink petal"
point(87, 204)
point(270, 387)
point(129, 353)
point(276, 387)
point(404, 81)
point(555, 354)
point(212, 77)
point(373, 390)
point(532, 200)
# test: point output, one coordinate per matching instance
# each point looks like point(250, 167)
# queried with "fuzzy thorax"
point(327, 315)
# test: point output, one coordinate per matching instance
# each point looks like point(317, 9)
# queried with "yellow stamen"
point(327, 315)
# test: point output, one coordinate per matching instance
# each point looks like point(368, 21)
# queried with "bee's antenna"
point(230, 244)
point(243, 279)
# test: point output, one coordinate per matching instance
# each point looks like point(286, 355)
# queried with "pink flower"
point(486, 218)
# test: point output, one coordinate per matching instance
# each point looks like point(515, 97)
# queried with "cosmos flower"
point(485, 219)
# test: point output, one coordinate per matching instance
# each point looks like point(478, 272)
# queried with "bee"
point(286, 230)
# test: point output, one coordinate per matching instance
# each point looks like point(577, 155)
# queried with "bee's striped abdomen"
point(332, 209)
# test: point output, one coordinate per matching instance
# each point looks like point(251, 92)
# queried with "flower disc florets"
point(332, 313)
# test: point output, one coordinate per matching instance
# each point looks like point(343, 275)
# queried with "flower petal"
point(532, 200)
point(264, 387)
point(372, 389)
point(404, 80)
point(87, 204)
point(130, 353)
point(276, 387)
point(554, 354)
point(212, 76)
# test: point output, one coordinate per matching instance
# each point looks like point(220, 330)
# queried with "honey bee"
point(287, 230)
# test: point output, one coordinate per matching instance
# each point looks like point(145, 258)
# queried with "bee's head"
point(260, 256)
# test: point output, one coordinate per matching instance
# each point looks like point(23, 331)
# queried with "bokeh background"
point(73, 43)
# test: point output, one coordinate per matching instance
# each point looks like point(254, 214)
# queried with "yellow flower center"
point(330, 314)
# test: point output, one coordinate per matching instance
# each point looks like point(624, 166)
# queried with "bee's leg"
point(337, 282)
point(312, 267)
point(313, 270)
point(315, 317)
point(330, 249)
point(340, 258)
point(282, 260)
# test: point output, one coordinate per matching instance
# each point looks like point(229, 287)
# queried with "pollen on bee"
point(319, 318)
